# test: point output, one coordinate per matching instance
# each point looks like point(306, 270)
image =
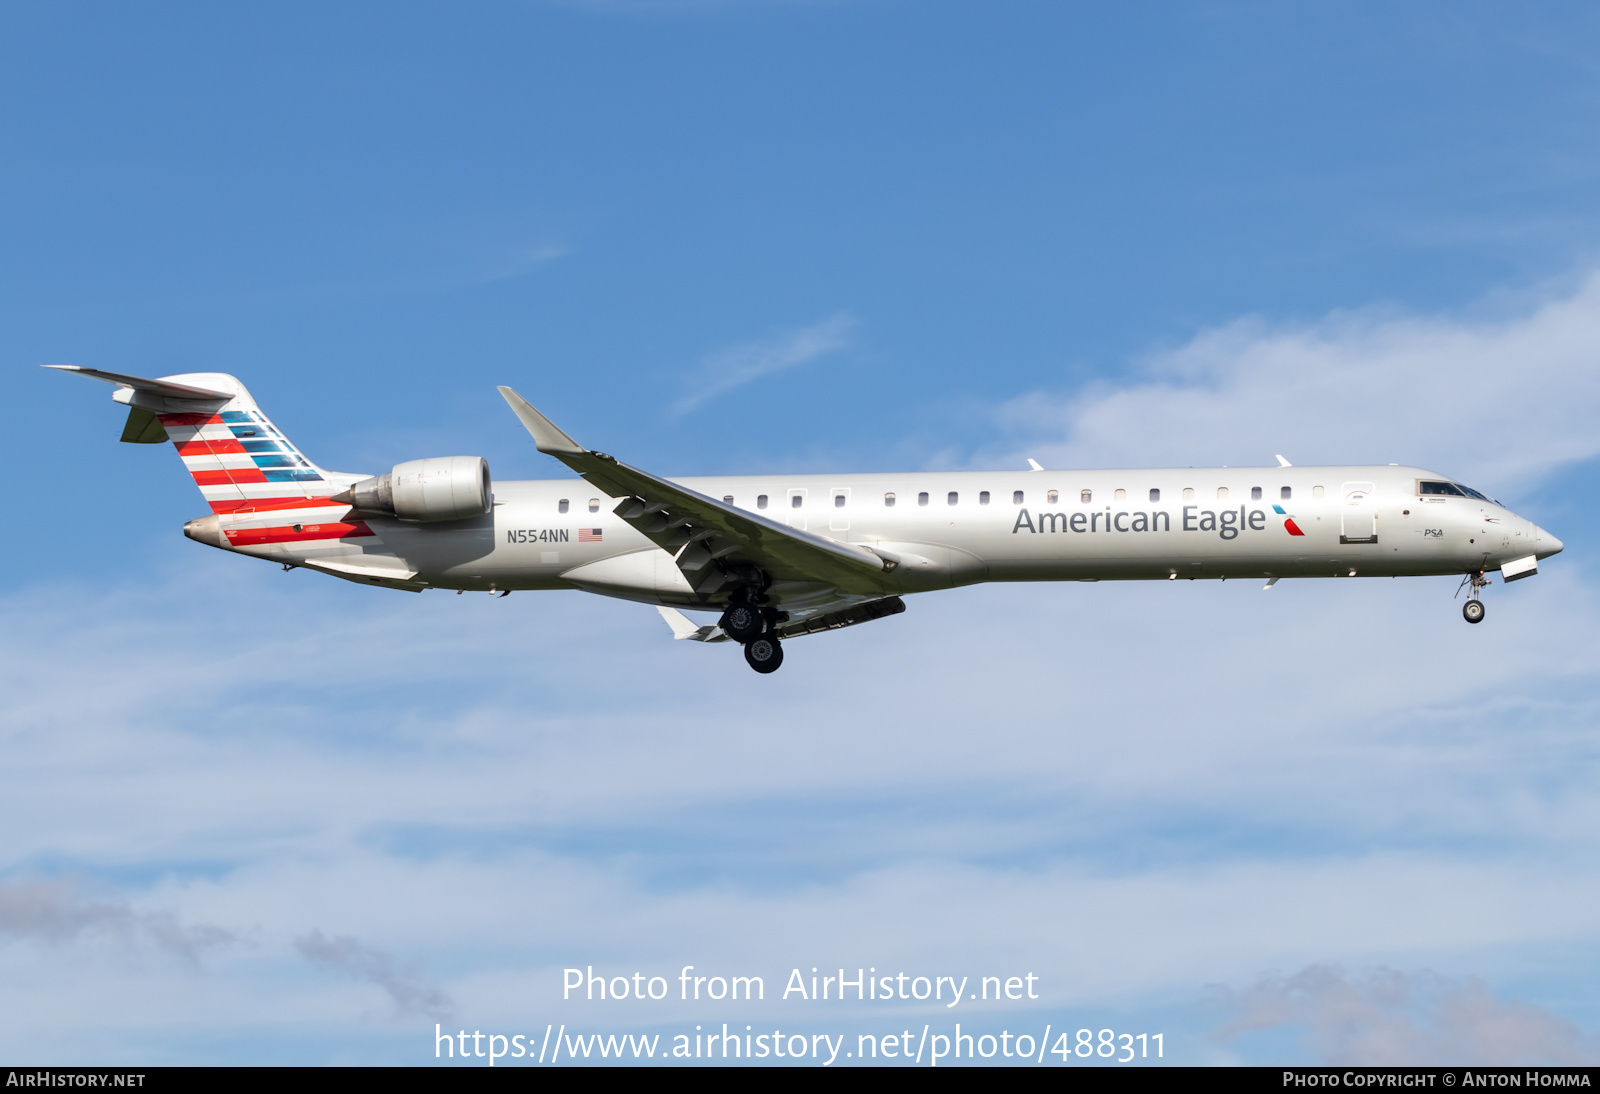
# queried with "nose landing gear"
point(1473, 610)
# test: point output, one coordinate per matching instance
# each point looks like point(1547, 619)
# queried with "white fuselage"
point(956, 528)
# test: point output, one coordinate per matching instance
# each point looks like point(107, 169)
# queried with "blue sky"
point(258, 816)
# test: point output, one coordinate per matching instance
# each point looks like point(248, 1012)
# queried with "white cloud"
point(1498, 400)
point(1130, 789)
point(727, 369)
point(1391, 1019)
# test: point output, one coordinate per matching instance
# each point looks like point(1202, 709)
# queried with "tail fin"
point(239, 459)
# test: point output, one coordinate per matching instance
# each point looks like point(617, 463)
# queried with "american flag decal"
point(589, 535)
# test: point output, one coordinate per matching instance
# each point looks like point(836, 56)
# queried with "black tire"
point(764, 654)
point(1472, 611)
point(743, 623)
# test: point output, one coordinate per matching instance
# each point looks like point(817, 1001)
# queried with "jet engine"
point(443, 488)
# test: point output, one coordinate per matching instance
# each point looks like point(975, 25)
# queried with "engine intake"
point(442, 488)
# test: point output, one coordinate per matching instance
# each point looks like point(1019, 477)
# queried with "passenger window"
point(728, 498)
point(1121, 494)
point(1255, 493)
point(561, 506)
point(1085, 498)
point(761, 501)
point(888, 501)
point(1285, 493)
point(1016, 497)
point(1316, 491)
point(922, 498)
point(1188, 493)
point(838, 501)
point(983, 497)
point(1052, 497)
point(1222, 493)
point(796, 501)
point(953, 498)
point(594, 505)
point(1155, 495)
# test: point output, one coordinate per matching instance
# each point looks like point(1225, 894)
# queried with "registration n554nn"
point(781, 556)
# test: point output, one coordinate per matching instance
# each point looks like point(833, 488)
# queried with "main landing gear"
point(764, 654)
point(749, 622)
point(1473, 610)
point(743, 623)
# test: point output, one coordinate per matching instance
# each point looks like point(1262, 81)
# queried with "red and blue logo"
point(1288, 521)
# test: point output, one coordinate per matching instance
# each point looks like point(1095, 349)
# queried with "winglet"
point(546, 437)
point(1283, 462)
point(1033, 463)
point(683, 627)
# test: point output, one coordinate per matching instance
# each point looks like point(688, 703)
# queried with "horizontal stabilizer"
point(163, 388)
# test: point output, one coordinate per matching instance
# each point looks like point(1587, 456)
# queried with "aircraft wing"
point(701, 531)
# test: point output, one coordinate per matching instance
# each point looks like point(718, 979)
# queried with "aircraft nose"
point(1545, 543)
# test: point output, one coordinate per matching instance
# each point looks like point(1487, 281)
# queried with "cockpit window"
point(1449, 488)
point(1470, 492)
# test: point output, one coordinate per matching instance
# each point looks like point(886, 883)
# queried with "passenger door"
point(1358, 517)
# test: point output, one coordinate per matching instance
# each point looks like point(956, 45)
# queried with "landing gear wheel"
point(764, 654)
point(743, 623)
point(1472, 611)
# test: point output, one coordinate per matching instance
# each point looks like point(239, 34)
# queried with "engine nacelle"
point(443, 488)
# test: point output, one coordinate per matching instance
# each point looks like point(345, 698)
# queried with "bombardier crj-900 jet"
point(783, 556)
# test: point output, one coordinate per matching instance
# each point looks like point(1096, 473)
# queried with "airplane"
point(781, 556)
